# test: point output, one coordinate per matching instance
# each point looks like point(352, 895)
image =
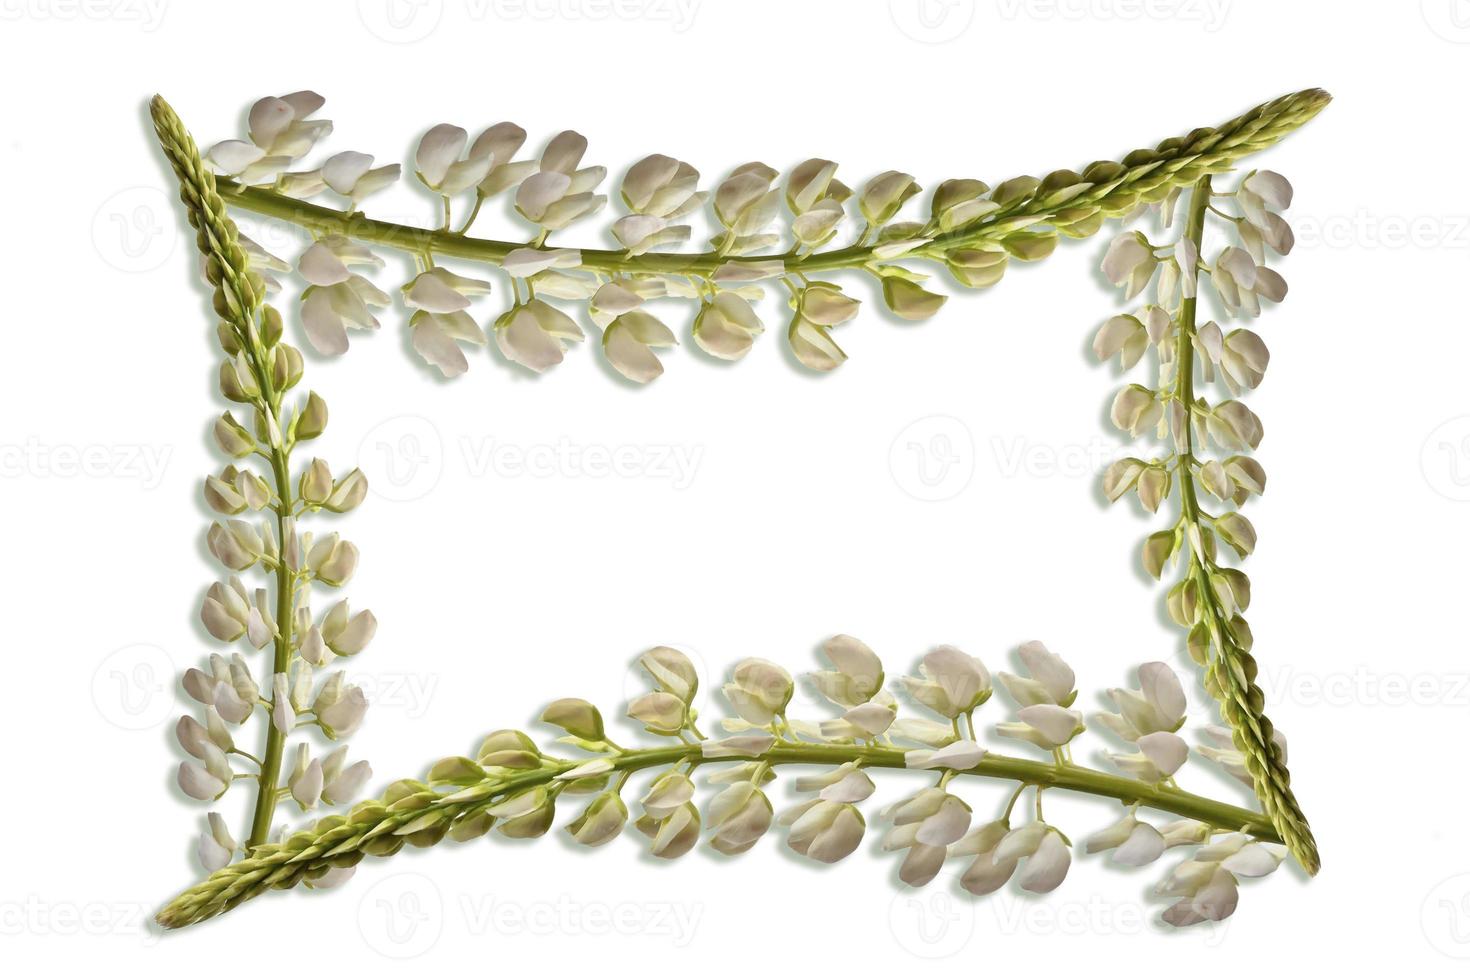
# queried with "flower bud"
point(909, 300)
point(316, 483)
point(347, 635)
point(671, 671)
point(976, 268)
point(883, 196)
point(233, 438)
point(759, 690)
point(1136, 409)
point(659, 712)
point(332, 560)
point(347, 492)
point(312, 421)
point(601, 821)
point(579, 718)
point(825, 304)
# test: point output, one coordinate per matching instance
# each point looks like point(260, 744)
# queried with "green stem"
point(339, 840)
point(1231, 667)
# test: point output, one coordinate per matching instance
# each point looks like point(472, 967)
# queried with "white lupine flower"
point(559, 193)
point(1130, 262)
point(1178, 833)
point(883, 196)
point(279, 132)
point(816, 226)
point(808, 184)
point(759, 690)
point(500, 143)
point(439, 164)
point(628, 344)
point(858, 675)
point(210, 780)
point(342, 783)
point(345, 633)
point(1234, 426)
point(737, 745)
point(336, 297)
point(923, 730)
point(616, 297)
point(823, 830)
point(925, 825)
point(863, 721)
point(1241, 283)
point(745, 202)
point(601, 821)
point(845, 784)
point(1123, 335)
point(1261, 195)
point(674, 834)
point(1045, 852)
point(726, 327)
point(440, 322)
point(226, 610)
point(950, 682)
point(958, 754)
point(305, 781)
point(826, 304)
point(339, 707)
point(672, 671)
point(738, 815)
point(230, 691)
point(1159, 756)
point(1136, 410)
point(658, 190)
point(660, 712)
point(1221, 749)
point(1241, 355)
point(1051, 681)
point(331, 560)
point(1207, 885)
point(216, 846)
point(352, 175)
point(986, 873)
point(535, 335)
point(668, 794)
point(1047, 726)
point(1133, 842)
point(1158, 706)
point(192, 736)
point(526, 261)
point(813, 346)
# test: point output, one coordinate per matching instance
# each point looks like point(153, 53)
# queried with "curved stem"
point(343, 840)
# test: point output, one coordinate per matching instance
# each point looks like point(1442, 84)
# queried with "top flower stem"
point(1142, 175)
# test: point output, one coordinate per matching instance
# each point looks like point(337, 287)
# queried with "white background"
point(499, 589)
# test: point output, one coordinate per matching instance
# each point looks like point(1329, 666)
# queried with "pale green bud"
point(910, 300)
point(579, 718)
point(316, 482)
point(233, 438)
point(312, 421)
